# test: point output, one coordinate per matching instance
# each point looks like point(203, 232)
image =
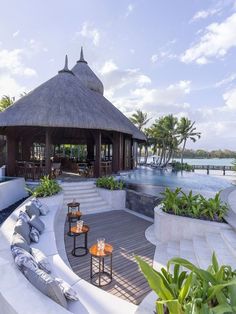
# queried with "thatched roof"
point(87, 77)
point(63, 101)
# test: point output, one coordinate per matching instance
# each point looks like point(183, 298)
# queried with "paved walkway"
point(126, 233)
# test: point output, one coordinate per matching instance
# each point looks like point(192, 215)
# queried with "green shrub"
point(47, 187)
point(194, 291)
point(110, 183)
point(196, 206)
point(177, 166)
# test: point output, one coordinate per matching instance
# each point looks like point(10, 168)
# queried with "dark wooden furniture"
point(73, 217)
point(73, 206)
point(76, 233)
point(98, 256)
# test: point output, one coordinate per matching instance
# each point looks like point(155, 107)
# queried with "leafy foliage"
point(177, 166)
point(193, 290)
point(140, 119)
point(47, 187)
point(110, 183)
point(5, 102)
point(195, 206)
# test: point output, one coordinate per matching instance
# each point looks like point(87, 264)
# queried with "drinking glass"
point(101, 244)
point(80, 225)
point(74, 201)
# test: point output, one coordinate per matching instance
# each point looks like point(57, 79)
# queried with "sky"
point(160, 56)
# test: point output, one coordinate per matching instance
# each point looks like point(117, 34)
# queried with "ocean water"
point(204, 162)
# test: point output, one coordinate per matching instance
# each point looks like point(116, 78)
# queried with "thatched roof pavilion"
point(69, 109)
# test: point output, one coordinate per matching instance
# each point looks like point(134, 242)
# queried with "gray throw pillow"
point(37, 223)
point(41, 260)
point(24, 216)
point(46, 284)
point(32, 210)
point(42, 207)
point(67, 290)
point(23, 258)
point(23, 228)
point(19, 241)
point(34, 235)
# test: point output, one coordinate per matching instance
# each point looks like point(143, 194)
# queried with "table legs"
point(96, 277)
point(85, 247)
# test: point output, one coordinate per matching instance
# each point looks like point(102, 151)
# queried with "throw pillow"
point(23, 228)
point(24, 216)
point(46, 284)
point(34, 235)
point(67, 290)
point(23, 258)
point(41, 260)
point(37, 223)
point(19, 241)
point(32, 210)
point(43, 208)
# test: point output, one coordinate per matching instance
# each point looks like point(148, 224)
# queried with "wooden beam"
point(11, 155)
point(97, 165)
point(48, 151)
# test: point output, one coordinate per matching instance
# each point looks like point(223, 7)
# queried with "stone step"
point(81, 199)
point(202, 251)
point(223, 253)
point(229, 237)
point(79, 192)
point(187, 251)
point(78, 187)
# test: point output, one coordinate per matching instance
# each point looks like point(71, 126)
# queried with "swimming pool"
point(4, 179)
point(153, 179)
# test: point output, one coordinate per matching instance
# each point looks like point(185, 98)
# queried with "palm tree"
point(187, 131)
point(5, 102)
point(140, 119)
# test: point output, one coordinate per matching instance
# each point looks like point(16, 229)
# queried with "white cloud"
point(164, 52)
point(203, 14)
point(129, 9)
point(11, 61)
point(230, 99)
point(217, 40)
point(15, 34)
point(9, 86)
point(90, 32)
point(108, 67)
point(226, 80)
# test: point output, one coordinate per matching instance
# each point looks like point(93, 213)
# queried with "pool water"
point(4, 179)
point(201, 183)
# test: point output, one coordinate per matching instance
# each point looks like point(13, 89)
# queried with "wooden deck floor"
point(126, 233)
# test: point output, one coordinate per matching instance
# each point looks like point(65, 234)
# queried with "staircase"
point(86, 194)
point(199, 249)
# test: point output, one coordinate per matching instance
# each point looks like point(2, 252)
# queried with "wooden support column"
point(109, 152)
point(115, 152)
point(90, 149)
point(11, 155)
point(97, 164)
point(48, 151)
point(25, 150)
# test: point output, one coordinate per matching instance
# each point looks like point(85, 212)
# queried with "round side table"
point(74, 231)
point(99, 256)
point(72, 217)
point(73, 206)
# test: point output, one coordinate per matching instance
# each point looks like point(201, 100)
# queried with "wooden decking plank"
point(126, 233)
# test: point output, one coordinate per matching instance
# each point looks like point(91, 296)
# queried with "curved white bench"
point(17, 295)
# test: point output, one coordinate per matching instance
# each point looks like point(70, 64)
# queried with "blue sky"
point(159, 56)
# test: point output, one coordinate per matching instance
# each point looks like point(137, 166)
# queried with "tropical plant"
point(186, 130)
point(196, 206)
point(195, 290)
point(110, 183)
point(177, 166)
point(140, 119)
point(46, 187)
point(5, 102)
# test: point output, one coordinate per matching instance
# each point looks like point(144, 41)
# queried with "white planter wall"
point(55, 201)
point(169, 227)
point(12, 191)
point(116, 199)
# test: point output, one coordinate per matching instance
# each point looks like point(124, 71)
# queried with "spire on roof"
point(66, 69)
point(81, 59)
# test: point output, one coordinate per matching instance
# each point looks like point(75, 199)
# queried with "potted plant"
point(48, 192)
point(189, 289)
point(112, 191)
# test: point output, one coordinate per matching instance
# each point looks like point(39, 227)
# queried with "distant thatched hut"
point(69, 109)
